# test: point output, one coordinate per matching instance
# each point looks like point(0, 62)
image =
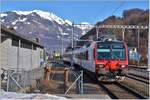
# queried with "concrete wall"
point(5, 52)
point(27, 59)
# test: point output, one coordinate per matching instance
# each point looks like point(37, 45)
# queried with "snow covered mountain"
point(46, 26)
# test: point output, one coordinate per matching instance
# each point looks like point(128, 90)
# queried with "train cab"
point(111, 60)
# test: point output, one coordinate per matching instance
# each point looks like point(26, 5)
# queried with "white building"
point(18, 51)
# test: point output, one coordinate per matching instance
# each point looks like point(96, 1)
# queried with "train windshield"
point(110, 51)
point(103, 52)
point(118, 54)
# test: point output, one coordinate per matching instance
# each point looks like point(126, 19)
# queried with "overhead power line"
point(118, 7)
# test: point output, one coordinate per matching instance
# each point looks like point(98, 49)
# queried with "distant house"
point(133, 54)
point(18, 51)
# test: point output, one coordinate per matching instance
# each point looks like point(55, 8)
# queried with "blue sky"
point(76, 10)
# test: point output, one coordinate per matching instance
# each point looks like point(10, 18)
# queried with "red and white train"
point(107, 59)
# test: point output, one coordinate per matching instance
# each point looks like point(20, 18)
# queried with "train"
point(106, 58)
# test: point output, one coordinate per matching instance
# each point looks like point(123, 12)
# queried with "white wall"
point(28, 59)
point(5, 52)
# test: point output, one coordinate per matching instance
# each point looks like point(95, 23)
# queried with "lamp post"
point(148, 49)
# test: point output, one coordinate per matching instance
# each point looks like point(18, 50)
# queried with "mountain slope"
point(46, 26)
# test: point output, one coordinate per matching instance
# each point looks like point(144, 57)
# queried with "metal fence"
point(78, 82)
point(19, 79)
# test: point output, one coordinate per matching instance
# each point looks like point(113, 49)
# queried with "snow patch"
point(68, 22)
point(85, 26)
point(65, 33)
point(28, 23)
point(30, 33)
point(7, 26)
point(15, 27)
point(3, 15)
point(22, 12)
point(36, 22)
point(14, 23)
point(3, 20)
point(57, 19)
point(22, 20)
point(43, 14)
point(83, 33)
point(68, 29)
point(58, 37)
point(46, 15)
point(14, 95)
point(87, 23)
point(32, 14)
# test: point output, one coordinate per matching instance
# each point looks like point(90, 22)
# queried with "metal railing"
point(78, 81)
point(18, 80)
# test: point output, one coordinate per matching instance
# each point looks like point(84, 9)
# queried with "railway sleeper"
point(134, 92)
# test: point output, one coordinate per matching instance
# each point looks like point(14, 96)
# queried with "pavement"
point(85, 96)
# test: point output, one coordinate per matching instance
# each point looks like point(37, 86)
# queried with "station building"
point(18, 51)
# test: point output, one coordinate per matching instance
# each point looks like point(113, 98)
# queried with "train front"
point(111, 60)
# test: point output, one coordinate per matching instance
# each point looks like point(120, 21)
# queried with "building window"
point(26, 45)
point(15, 42)
point(23, 44)
point(34, 47)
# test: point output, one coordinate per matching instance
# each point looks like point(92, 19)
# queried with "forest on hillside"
point(129, 17)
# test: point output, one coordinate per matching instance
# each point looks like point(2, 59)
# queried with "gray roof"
point(13, 33)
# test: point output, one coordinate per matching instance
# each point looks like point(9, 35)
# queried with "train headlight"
point(100, 66)
point(123, 66)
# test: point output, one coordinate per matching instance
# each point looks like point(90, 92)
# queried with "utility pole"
point(149, 45)
point(97, 30)
point(62, 42)
point(149, 48)
point(123, 31)
point(0, 61)
point(72, 44)
point(138, 45)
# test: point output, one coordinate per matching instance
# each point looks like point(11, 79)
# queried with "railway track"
point(120, 90)
point(135, 75)
point(117, 90)
point(135, 67)
point(138, 78)
point(138, 72)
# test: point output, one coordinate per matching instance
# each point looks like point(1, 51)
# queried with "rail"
point(134, 92)
point(141, 79)
point(138, 67)
point(120, 86)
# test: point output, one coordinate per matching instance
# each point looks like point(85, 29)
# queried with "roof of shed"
point(12, 32)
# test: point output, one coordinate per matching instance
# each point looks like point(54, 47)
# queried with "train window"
point(88, 44)
point(94, 53)
point(103, 45)
point(118, 54)
point(103, 54)
point(86, 55)
point(78, 56)
point(117, 46)
point(103, 50)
